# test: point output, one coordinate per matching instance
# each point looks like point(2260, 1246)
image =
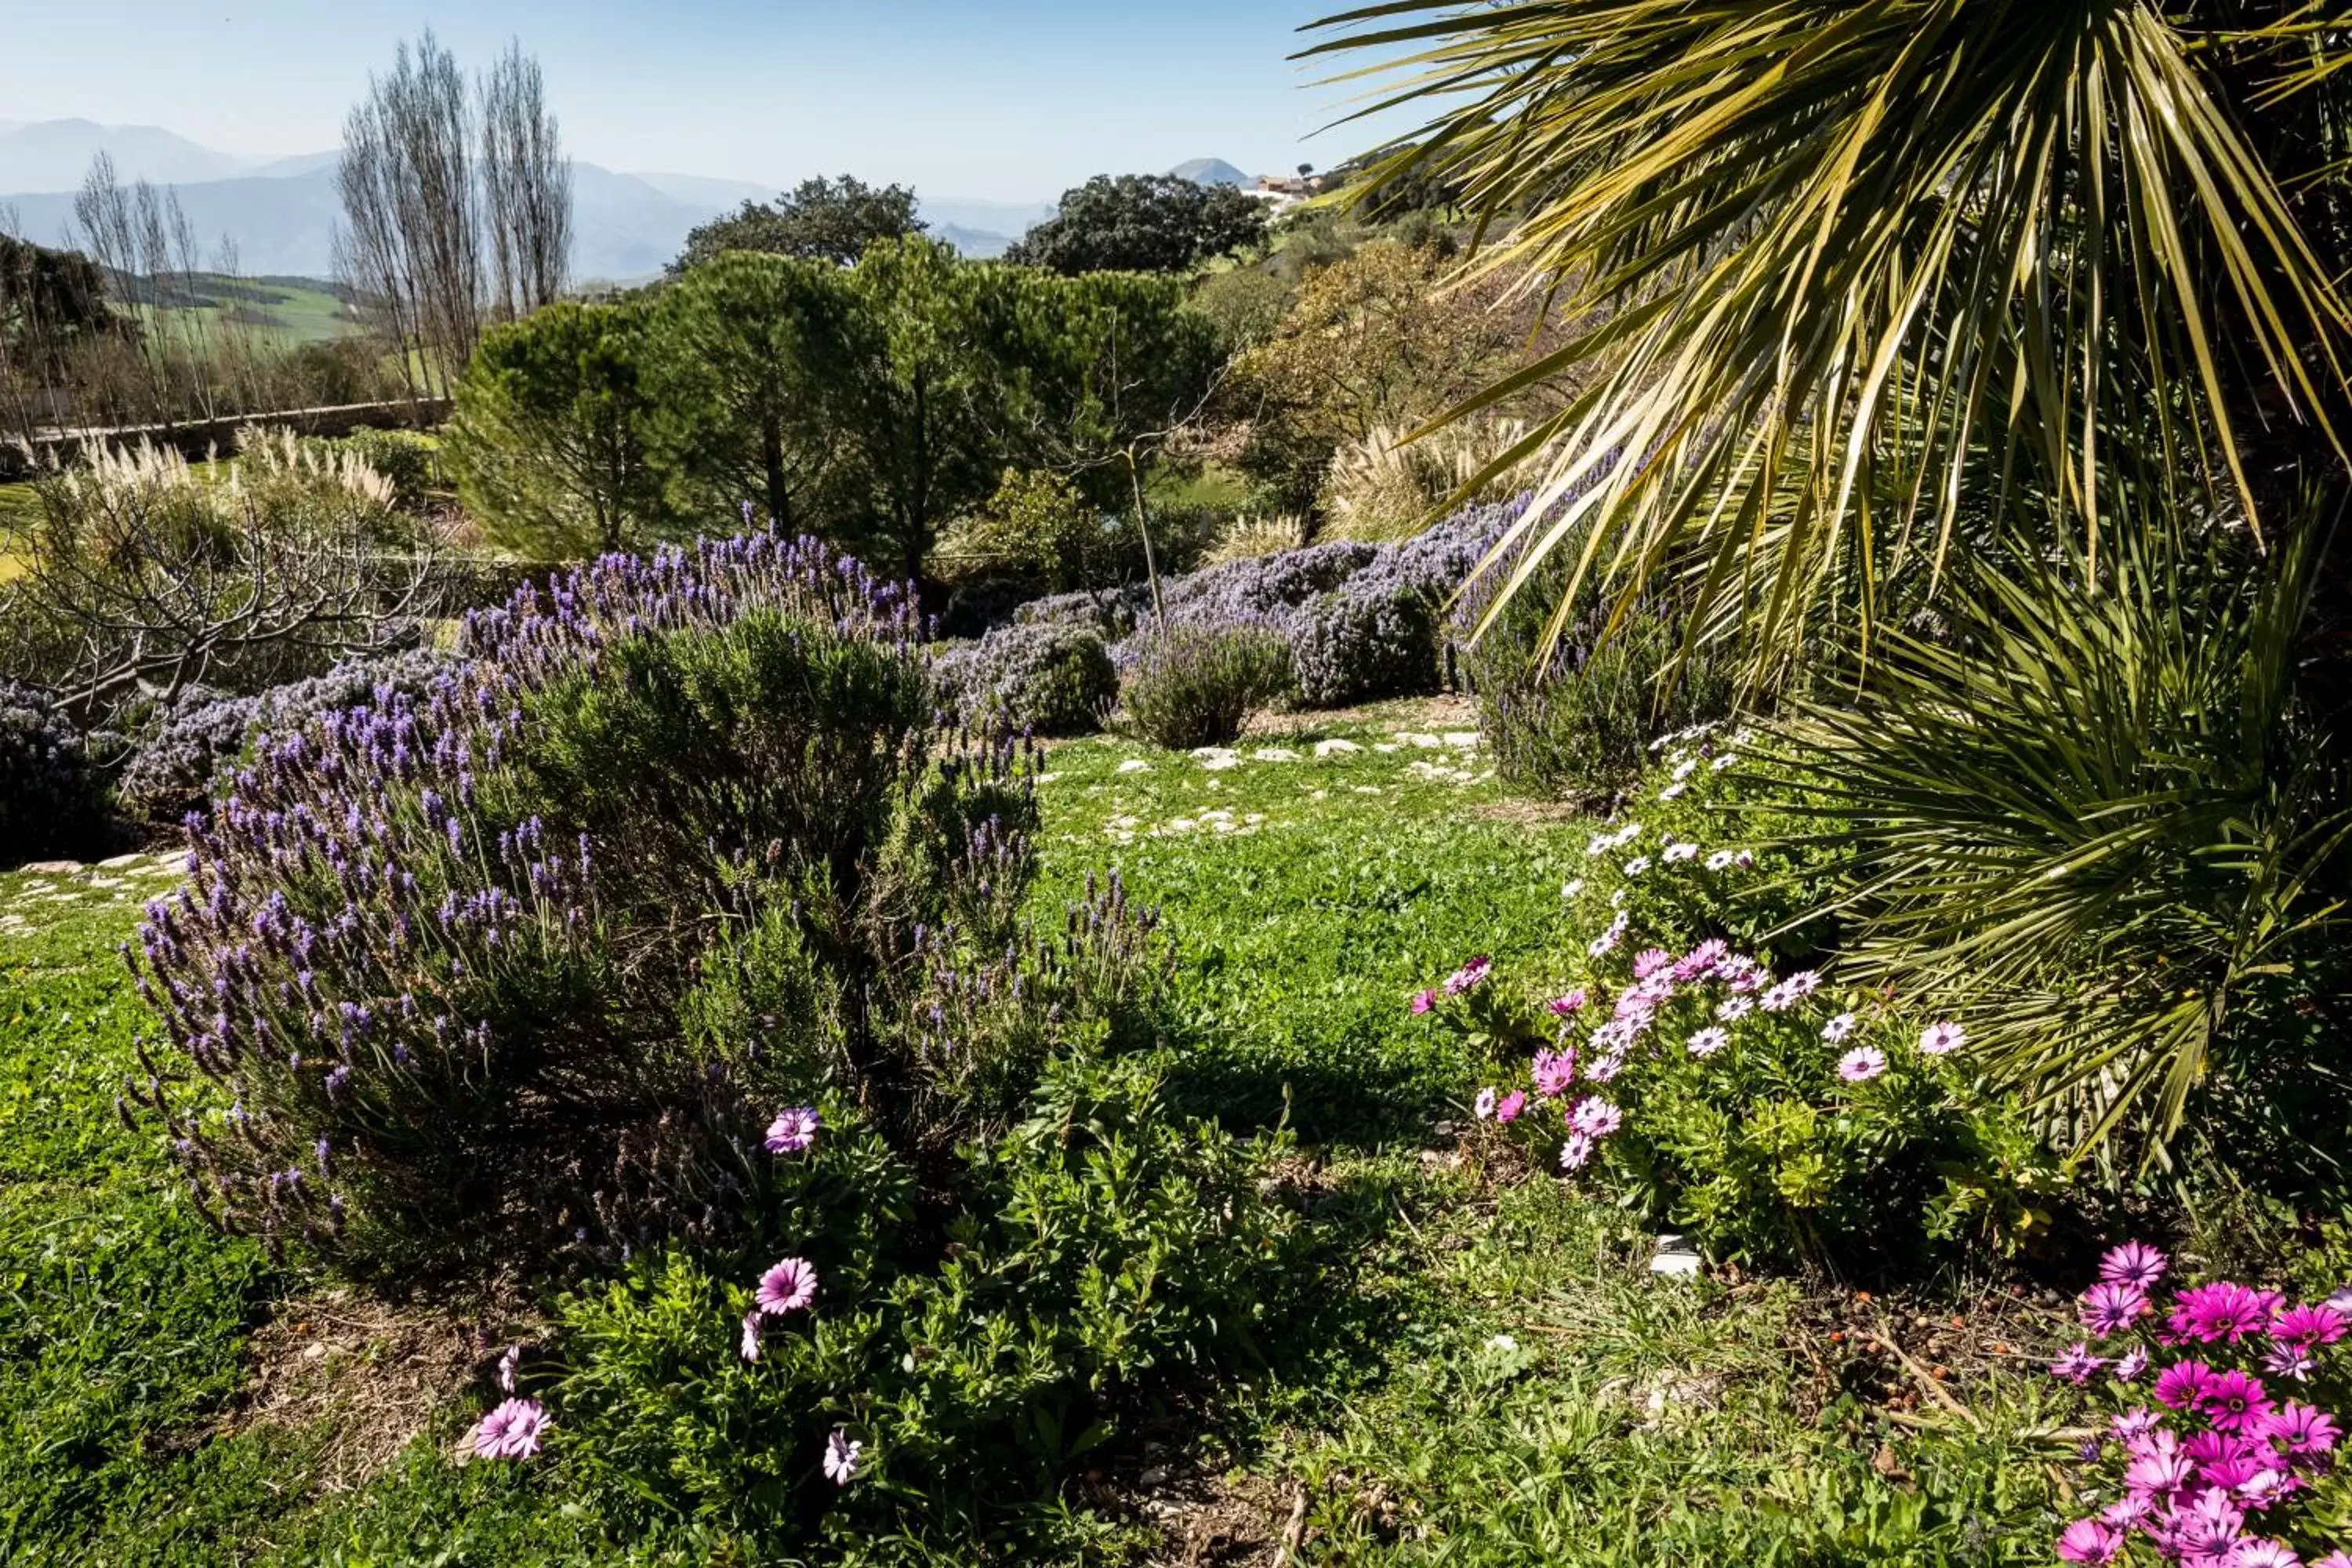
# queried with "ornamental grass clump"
point(2217, 1433)
point(516, 971)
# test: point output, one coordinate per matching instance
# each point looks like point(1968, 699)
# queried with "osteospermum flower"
point(1507, 1109)
point(1942, 1039)
point(507, 1364)
point(1861, 1064)
point(1602, 1069)
point(1649, 961)
point(1554, 1071)
point(1733, 1008)
point(794, 1131)
point(1468, 975)
point(1596, 1117)
point(2182, 1385)
point(1678, 853)
point(1720, 860)
point(1779, 999)
point(515, 1430)
point(2305, 1326)
point(2136, 1264)
point(2131, 1364)
point(1707, 1042)
point(790, 1286)
point(2136, 1422)
point(1838, 1028)
point(1804, 983)
point(1576, 1151)
point(2222, 1311)
point(2077, 1364)
point(2108, 1308)
point(1568, 1004)
point(2258, 1552)
point(2089, 1541)
point(749, 1350)
point(1700, 961)
point(2300, 1432)
point(1482, 1107)
point(2158, 1474)
point(841, 1455)
point(1422, 1001)
point(2289, 1361)
point(2209, 1526)
point(2235, 1401)
point(1637, 865)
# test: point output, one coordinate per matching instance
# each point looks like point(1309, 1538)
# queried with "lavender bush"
point(1362, 643)
point(1048, 679)
point(195, 741)
point(52, 798)
point(515, 970)
point(1197, 686)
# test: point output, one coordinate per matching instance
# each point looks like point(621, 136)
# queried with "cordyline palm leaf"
point(2093, 821)
point(1837, 261)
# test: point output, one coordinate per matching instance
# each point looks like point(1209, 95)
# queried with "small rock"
point(1386, 746)
point(1274, 755)
point(1048, 778)
point(1461, 740)
point(315, 1351)
point(1133, 765)
point(50, 867)
point(1157, 1476)
point(117, 862)
point(1335, 747)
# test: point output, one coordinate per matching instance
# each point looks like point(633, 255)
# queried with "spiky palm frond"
point(2090, 816)
point(1845, 260)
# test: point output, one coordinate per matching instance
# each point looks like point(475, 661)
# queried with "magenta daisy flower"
point(1942, 1039)
point(1861, 1064)
point(1649, 961)
point(1507, 1109)
point(1700, 961)
point(513, 1431)
point(2182, 1385)
point(2138, 1421)
point(2108, 1310)
point(2158, 1474)
point(749, 1349)
point(841, 1457)
point(2136, 1264)
point(790, 1286)
point(1707, 1042)
point(1468, 975)
point(2257, 1551)
point(2077, 1364)
point(794, 1131)
point(2306, 1326)
point(2089, 1541)
point(2235, 1401)
point(2209, 1526)
point(2301, 1433)
point(1422, 1001)
point(1570, 1004)
point(2222, 1311)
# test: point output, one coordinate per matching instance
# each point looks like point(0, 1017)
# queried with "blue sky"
point(1007, 100)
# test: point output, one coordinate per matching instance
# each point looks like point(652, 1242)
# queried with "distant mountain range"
point(281, 211)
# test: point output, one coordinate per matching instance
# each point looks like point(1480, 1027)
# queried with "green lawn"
point(284, 313)
point(1623, 1419)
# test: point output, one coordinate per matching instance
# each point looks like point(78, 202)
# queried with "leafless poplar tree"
point(526, 186)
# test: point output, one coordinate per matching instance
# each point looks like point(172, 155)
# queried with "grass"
point(1626, 1419)
point(283, 313)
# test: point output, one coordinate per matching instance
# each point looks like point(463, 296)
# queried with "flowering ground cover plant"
point(1769, 1114)
point(2217, 1446)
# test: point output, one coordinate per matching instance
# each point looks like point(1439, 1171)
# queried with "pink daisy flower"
point(1507, 1110)
point(1605, 1067)
point(2209, 1525)
point(2182, 1385)
point(1577, 1151)
point(2255, 1551)
point(2138, 1421)
point(1595, 1116)
point(1422, 1001)
point(2131, 1364)
point(1861, 1064)
point(794, 1131)
point(1554, 1071)
point(2089, 1541)
point(2304, 1326)
point(790, 1286)
point(2108, 1310)
point(2301, 1433)
point(1700, 961)
point(1649, 961)
point(1570, 1004)
point(513, 1431)
point(2136, 1264)
point(1733, 1008)
point(841, 1457)
point(1942, 1039)
point(1468, 975)
point(749, 1349)
point(2077, 1364)
point(2235, 1401)
point(1779, 999)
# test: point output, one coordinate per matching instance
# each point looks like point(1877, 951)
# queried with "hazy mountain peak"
point(1211, 172)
